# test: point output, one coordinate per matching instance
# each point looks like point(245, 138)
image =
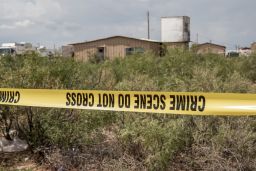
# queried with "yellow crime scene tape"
point(134, 101)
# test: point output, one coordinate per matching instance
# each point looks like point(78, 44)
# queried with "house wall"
point(204, 49)
point(245, 52)
point(67, 51)
point(114, 47)
point(253, 47)
point(180, 45)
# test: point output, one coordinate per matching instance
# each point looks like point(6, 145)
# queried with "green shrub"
point(159, 142)
point(248, 67)
point(155, 142)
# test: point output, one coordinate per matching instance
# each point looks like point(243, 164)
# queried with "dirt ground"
point(19, 161)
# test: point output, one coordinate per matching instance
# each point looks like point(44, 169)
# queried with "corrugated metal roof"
point(211, 44)
point(175, 17)
point(112, 37)
point(125, 37)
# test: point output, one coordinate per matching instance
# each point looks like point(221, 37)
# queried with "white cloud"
point(17, 25)
point(5, 26)
point(23, 23)
point(17, 9)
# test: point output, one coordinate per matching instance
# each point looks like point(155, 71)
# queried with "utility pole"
point(197, 38)
point(148, 25)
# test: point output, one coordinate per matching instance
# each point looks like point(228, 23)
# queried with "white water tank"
point(175, 29)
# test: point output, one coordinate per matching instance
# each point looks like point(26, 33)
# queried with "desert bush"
point(71, 138)
point(43, 128)
point(248, 67)
point(155, 142)
point(219, 144)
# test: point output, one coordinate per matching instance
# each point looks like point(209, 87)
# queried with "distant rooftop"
point(207, 43)
point(106, 38)
point(174, 16)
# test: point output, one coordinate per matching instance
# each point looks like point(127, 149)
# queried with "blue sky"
point(48, 22)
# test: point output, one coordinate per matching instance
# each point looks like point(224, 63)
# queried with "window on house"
point(134, 50)
point(129, 51)
point(100, 53)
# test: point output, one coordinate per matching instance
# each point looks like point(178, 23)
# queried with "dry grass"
point(101, 140)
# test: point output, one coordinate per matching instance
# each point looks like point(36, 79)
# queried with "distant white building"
point(175, 29)
point(253, 47)
point(232, 53)
point(11, 49)
point(44, 52)
point(17, 48)
point(245, 51)
point(10, 44)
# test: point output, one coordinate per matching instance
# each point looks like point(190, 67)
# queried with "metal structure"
point(175, 29)
point(119, 47)
point(148, 25)
point(16, 48)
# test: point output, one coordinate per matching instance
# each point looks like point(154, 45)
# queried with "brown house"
point(120, 46)
point(206, 48)
point(253, 47)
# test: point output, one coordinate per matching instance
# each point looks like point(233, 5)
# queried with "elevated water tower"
point(175, 29)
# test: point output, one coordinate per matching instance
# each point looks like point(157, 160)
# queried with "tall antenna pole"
point(148, 25)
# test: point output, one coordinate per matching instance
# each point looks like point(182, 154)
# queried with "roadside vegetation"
point(105, 140)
